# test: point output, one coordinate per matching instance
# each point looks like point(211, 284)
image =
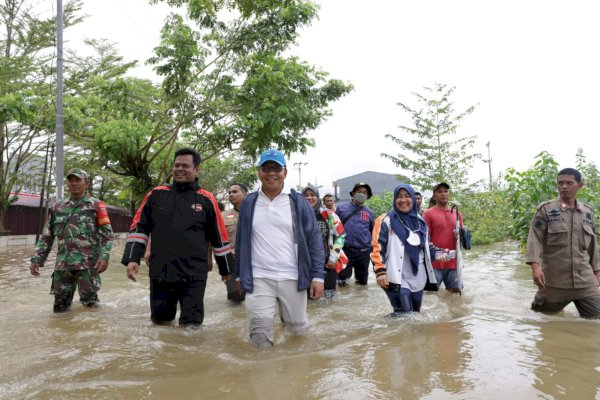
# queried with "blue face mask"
point(360, 197)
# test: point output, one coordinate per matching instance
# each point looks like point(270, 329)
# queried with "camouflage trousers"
point(64, 283)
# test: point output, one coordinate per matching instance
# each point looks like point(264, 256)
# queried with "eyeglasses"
point(267, 169)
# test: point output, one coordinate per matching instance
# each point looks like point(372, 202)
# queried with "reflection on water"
point(569, 360)
point(485, 344)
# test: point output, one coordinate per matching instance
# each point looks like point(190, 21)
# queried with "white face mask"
point(360, 197)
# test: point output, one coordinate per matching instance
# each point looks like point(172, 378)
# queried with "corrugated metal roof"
point(378, 181)
point(33, 200)
point(27, 199)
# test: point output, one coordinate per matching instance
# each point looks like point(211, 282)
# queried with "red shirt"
point(442, 224)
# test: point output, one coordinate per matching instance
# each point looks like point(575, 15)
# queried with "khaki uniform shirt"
point(563, 242)
point(231, 220)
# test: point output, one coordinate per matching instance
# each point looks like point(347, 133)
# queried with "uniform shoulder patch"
point(539, 223)
point(102, 214)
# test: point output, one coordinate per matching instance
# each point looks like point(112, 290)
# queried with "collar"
point(356, 205)
point(185, 186)
point(284, 191)
point(564, 206)
point(85, 199)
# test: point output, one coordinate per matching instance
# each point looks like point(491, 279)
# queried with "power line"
point(147, 9)
point(133, 23)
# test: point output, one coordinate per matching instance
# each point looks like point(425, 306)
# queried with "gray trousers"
point(261, 306)
point(552, 300)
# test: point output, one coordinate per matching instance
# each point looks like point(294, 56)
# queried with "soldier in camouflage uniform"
point(84, 234)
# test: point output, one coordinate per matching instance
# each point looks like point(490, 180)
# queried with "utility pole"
point(41, 215)
point(489, 162)
point(60, 123)
point(299, 165)
point(335, 190)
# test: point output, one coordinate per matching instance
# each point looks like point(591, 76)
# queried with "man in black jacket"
point(182, 219)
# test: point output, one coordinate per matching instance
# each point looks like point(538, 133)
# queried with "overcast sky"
point(530, 67)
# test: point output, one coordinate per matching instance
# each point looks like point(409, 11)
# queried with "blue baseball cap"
point(272, 155)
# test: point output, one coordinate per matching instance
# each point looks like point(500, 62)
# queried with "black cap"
point(359, 184)
point(439, 185)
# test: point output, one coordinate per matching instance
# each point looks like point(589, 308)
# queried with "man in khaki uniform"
point(237, 194)
point(562, 253)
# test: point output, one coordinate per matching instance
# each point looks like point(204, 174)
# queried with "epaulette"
point(544, 203)
point(582, 205)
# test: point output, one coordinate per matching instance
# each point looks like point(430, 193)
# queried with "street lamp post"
point(299, 165)
point(489, 162)
point(60, 126)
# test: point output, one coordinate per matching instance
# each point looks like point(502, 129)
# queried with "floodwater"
point(486, 344)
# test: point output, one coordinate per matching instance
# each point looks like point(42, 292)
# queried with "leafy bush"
point(487, 214)
point(381, 204)
point(527, 189)
point(505, 212)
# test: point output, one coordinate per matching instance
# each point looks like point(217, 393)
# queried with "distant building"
point(378, 181)
point(23, 216)
point(29, 176)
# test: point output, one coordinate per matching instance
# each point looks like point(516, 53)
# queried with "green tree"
point(527, 189)
point(590, 176)
point(431, 150)
point(26, 94)
point(121, 123)
point(486, 213)
point(217, 174)
point(226, 86)
point(381, 204)
point(229, 82)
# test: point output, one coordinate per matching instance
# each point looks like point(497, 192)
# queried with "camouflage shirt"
point(83, 231)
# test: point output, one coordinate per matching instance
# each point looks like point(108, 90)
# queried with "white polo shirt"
point(274, 250)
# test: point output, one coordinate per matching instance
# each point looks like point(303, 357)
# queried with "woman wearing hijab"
point(402, 254)
point(333, 235)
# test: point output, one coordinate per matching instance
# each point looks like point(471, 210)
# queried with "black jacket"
point(182, 219)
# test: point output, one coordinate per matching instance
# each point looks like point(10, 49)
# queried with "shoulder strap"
point(353, 213)
point(75, 208)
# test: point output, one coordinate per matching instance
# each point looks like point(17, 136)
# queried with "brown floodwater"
point(486, 344)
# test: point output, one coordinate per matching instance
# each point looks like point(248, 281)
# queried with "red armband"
point(102, 214)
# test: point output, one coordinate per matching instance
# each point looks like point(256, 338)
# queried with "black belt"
point(360, 248)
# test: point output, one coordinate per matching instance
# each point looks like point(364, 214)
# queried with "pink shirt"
point(441, 225)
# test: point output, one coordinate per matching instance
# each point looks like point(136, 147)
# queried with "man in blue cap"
point(279, 253)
